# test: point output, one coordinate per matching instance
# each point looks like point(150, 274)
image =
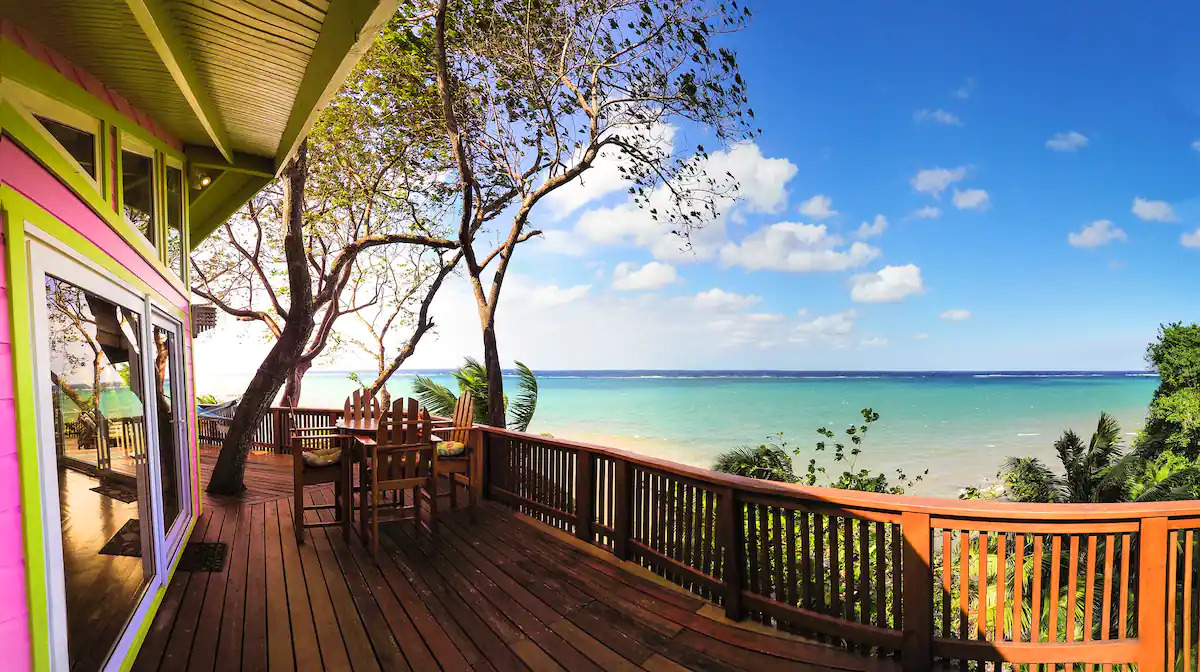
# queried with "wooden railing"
point(968, 585)
point(274, 428)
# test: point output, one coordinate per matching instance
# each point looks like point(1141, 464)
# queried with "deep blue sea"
point(959, 425)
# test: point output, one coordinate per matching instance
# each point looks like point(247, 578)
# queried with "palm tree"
point(767, 462)
point(1099, 471)
point(472, 379)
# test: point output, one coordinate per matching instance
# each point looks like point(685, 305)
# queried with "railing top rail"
point(940, 507)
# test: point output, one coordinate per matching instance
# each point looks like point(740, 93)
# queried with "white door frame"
point(48, 255)
point(175, 537)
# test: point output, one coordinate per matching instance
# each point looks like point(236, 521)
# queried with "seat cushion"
point(322, 457)
point(451, 449)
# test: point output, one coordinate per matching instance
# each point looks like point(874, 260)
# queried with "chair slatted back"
point(361, 406)
point(411, 427)
point(464, 418)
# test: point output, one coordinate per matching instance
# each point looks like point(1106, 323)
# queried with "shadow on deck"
point(498, 593)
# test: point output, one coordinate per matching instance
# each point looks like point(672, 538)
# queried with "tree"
point(766, 461)
point(1173, 420)
point(1099, 471)
point(472, 379)
point(532, 94)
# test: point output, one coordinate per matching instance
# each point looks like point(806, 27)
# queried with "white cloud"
point(956, 315)
point(1153, 211)
point(920, 337)
point(1099, 232)
point(971, 199)
point(762, 187)
point(874, 342)
point(553, 295)
point(557, 241)
point(1196, 145)
point(1068, 141)
point(875, 228)
point(927, 212)
point(717, 299)
point(654, 275)
point(833, 329)
point(968, 87)
point(796, 247)
point(605, 176)
point(938, 116)
point(818, 207)
point(934, 181)
point(1191, 239)
point(888, 284)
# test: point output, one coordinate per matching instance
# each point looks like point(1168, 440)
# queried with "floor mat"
point(203, 556)
point(117, 491)
point(127, 541)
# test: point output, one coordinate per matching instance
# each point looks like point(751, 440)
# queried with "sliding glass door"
point(112, 449)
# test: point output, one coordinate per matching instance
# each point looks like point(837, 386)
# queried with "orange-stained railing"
point(971, 585)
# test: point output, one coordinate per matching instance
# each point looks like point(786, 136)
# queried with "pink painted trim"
point(21, 172)
point(14, 608)
point(85, 80)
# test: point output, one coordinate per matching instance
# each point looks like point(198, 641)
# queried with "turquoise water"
point(959, 426)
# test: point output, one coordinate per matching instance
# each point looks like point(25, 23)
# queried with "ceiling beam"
point(210, 159)
point(219, 200)
point(349, 29)
point(156, 22)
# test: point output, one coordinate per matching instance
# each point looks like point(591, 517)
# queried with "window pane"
point(175, 220)
point(79, 144)
point(168, 408)
point(100, 445)
point(137, 185)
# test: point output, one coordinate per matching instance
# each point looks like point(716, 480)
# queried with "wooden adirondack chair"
point(458, 454)
point(400, 459)
point(361, 406)
point(318, 467)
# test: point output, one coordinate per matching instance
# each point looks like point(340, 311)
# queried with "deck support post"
point(623, 509)
point(583, 495)
point(917, 591)
point(1151, 596)
point(731, 529)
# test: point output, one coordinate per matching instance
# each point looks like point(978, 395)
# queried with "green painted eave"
point(219, 200)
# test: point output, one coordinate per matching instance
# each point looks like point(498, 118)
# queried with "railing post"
point(917, 578)
point(277, 424)
point(1151, 596)
point(583, 495)
point(732, 530)
point(623, 509)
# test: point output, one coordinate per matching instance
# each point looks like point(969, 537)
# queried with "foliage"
point(1099, 471)
point(767, 461)
point(1166, 472)
point(1173, 422)
point(472, 379)
point(770, 461)
point(207, 399)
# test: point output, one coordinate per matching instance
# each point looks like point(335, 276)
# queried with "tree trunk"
point(295, 379)
point(495, 376)
point(298, 326)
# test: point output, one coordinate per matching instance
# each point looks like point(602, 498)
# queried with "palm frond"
point(1029, 480)
point(521, 408)
point(1113, 483)
point(765, 462)
point(472, 380)
point(1179, 485)
point(434, 396)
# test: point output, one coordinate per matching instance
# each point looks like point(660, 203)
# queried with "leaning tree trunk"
point(495, 376)
point(295, 379)
point(298, 327)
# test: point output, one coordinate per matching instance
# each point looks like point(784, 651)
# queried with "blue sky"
point(1032, 122)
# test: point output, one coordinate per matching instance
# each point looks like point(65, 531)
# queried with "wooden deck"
point(498, 593)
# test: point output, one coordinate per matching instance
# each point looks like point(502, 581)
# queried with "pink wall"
point(14, 612)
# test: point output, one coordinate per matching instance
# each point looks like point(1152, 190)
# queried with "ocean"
point(958, 425)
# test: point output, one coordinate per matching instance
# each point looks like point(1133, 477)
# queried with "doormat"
point(203, 556)
point(127, 541)
point(117, 491)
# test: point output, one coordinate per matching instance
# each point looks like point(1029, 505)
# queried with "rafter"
point(156, 22)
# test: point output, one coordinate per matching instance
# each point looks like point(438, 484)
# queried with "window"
point(137, 188)
point(175, 246)
point(168, 402)
point(98, 396)
point(81, 145)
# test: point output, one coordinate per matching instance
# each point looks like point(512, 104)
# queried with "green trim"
point(26, 417)
point(348, 30)
point(206, 157)
point(173, 51)
point(219, 200)
point(21, 127)
point(47, 222)
point(135, 647)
